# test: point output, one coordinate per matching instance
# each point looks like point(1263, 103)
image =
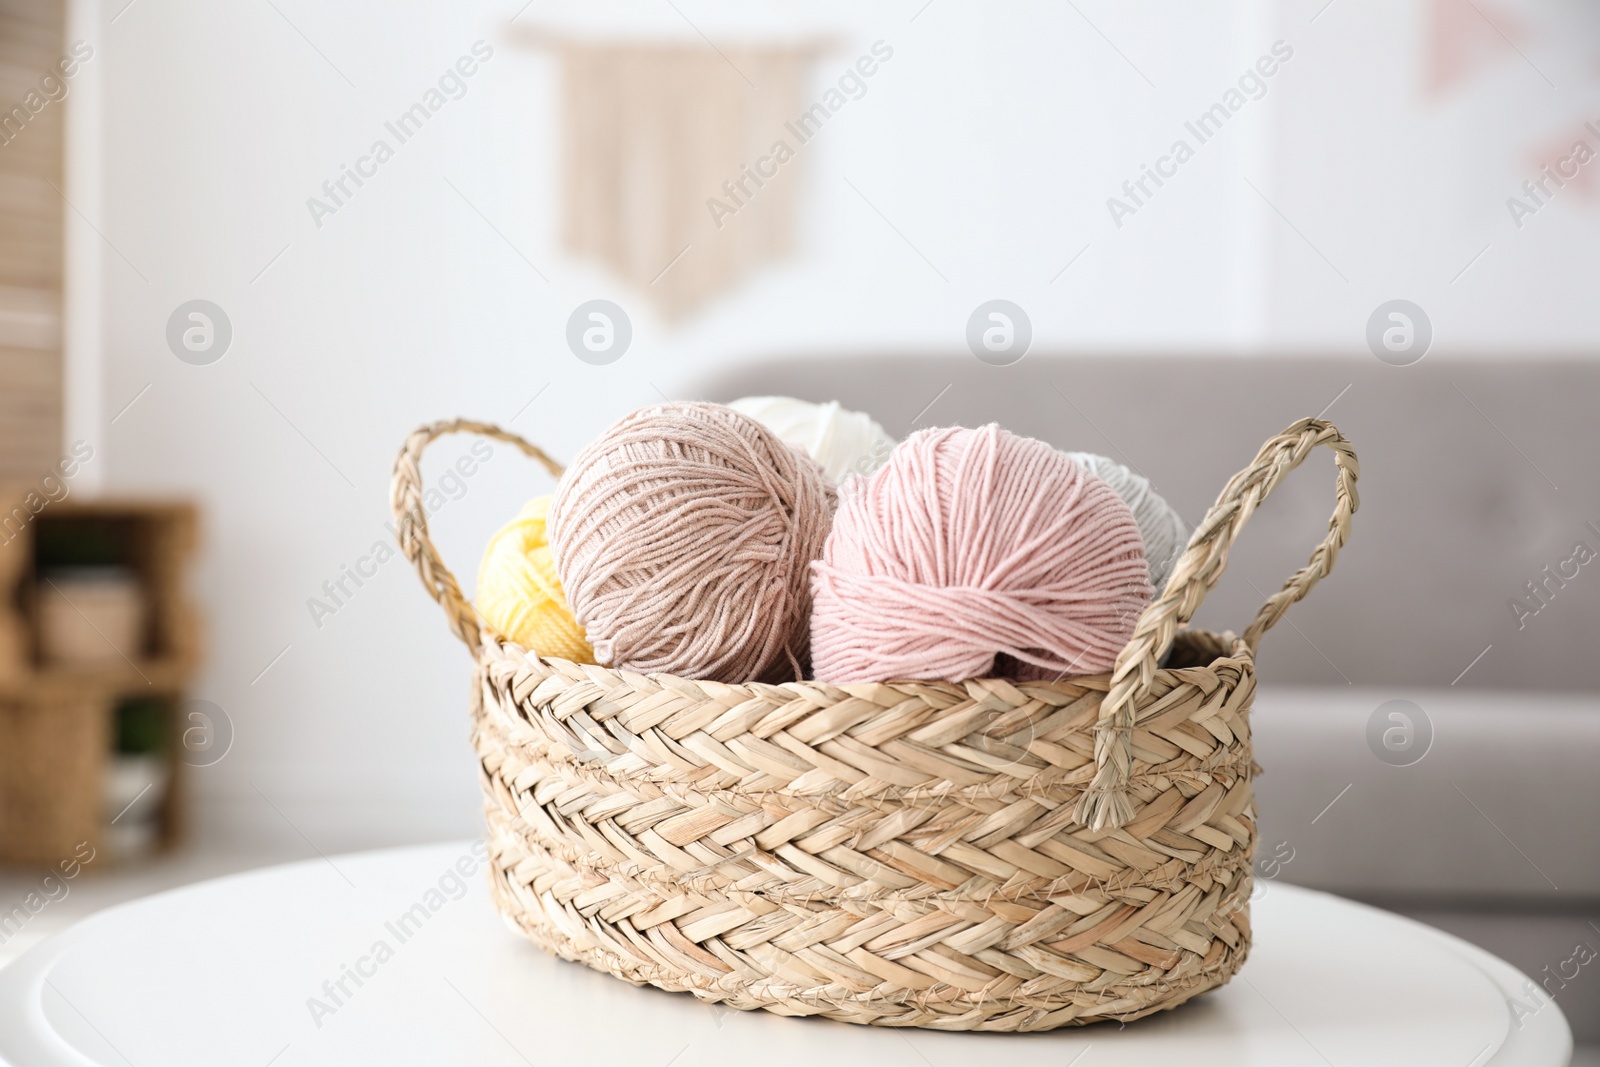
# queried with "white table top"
point(226, 972)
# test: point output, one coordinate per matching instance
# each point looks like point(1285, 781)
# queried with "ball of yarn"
point(682, 536)
point(972, 543)
point(843, 441)
point(1165, 533)
point(519, 594)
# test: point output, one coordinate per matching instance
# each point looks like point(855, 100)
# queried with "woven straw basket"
point(989, 855)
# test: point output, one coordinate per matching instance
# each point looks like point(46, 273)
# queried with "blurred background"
point(246, 247)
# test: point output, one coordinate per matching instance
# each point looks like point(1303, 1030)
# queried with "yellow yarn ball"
point(519, 593)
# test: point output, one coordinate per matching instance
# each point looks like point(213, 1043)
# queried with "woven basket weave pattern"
point(987, 855)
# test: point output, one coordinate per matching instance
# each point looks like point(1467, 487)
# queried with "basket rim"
point(522, 681)
point(493, 646)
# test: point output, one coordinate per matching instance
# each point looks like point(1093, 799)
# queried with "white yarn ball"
point(1165, 533)
point(841, 441)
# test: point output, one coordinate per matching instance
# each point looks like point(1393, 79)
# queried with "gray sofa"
point(1479, 477)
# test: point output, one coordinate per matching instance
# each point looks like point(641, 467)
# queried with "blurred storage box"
point(89, 616)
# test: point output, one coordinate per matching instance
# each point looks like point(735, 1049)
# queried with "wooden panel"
point(31, 224)
point(30, 414)
point(32, 219)
point(29, 318)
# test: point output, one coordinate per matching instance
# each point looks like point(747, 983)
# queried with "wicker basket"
point(989, 855)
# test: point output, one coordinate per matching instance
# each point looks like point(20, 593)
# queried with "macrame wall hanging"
point(672, 172)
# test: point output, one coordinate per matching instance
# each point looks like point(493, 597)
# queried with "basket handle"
point(411, 518)
point(1105, 804)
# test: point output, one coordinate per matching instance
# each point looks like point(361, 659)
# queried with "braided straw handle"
point(1105, 804)
point(411, 518)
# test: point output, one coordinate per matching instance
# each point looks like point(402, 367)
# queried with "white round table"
point(396, 957)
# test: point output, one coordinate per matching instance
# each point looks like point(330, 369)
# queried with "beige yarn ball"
point(683, 537)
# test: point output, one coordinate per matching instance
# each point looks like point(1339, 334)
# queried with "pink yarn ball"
point(970, 544)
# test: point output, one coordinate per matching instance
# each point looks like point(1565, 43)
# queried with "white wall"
point(1399, 172)
point(991, 141)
